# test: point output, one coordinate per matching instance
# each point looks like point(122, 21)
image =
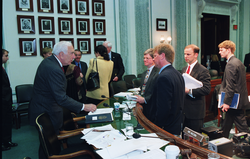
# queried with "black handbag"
point(93, 81)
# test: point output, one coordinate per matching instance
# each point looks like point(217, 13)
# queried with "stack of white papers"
point(123, 94)
point(101, 111)
point(134, 89)
point(191, 82)
point(131, 97)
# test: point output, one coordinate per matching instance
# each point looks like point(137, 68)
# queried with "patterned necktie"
point(188, 70)
point(145, 82)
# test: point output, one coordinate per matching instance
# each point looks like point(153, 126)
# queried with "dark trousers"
point(237, 117)
point(194, 124)
point(6, 129)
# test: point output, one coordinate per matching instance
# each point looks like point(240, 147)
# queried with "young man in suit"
point(83, 67)
point(118, 69)
point(6, 106)
point(147, 82)
point(194, 109)
point(234, 81)
point(169, 91)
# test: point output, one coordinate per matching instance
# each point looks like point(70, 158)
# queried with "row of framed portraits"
point(26, 25)
point(28, 45)
point(63, 6)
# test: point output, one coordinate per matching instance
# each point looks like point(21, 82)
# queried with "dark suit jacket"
point(247, 62)
point(195, 108)
point(83, 87)
point(148, 90)
point(118, 69)
point(49, 93)
point(168, 99)
point(234, 81)
point(6, 92)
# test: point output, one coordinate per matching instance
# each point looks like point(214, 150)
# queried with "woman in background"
point(46, 52)
point(215, 63)
point(105, 69)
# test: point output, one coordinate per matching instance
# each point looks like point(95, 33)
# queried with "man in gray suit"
point(194, 109)
point(147, 82)
point(234, 81)
point(49, 93)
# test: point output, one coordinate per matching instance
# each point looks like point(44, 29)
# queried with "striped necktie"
point(145, 82)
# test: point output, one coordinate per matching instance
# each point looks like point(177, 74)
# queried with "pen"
point(95, 130)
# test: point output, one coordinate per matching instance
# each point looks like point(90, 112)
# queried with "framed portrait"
point(65, 26)
point(98, 7)
point(99, 27)
point(46, 42)
point(64, 6)
point(67, 39)
point(82, 26)
point(84, 45)
point(25, 24)
point(82, 7)
point(46, 25)
point(99, 41)
point(45, 6)
point(24, 5)
point(27, 46)
point(161, 24)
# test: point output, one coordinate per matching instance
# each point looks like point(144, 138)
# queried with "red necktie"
point(63, 69)
point(188, 70)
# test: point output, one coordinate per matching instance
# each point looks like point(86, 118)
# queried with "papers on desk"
point(123, 94)
point(191, 82)
point(106, 136)
point(101, 111)
point(134, 89)
point(123, 149)
point(131, 97)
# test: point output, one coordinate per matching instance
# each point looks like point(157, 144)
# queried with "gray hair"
point(107, 43)
point(61, 46)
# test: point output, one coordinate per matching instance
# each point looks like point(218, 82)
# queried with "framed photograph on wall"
point(27, 46)
point(82, 7)
point(161, 24)
point(65, 26)
point(45, 6)
point(64, 6)
point(25, 24)
point(82, 26)
point(98, 7)
point(99, 41)
point(46, 42)
point(46, 25)
point(67, 39)
point(99, 27)
point(84, 45)
point(24, 5)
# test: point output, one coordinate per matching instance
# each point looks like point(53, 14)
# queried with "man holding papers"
point(194, 105)
point(169, 91)
point(234, 81)
point(147, 82)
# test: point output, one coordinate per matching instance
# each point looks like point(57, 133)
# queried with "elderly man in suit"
point(169, 91)
point(194, 109)
point(83, 67)
point(6, 107)
point(147, 82)
point(234, 81)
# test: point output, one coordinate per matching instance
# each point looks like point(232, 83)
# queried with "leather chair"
point(51, 143)
point(119, 86)
point(136, 82)
point(139, 75)
point(23, 96)
point(128, 79)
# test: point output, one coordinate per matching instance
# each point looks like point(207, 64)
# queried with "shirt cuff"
point(190, 93)
point(82, 107)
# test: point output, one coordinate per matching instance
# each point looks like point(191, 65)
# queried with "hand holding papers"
point(191, 82)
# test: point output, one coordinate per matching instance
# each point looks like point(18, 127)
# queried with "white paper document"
point(101, 111)
point(191, 82)
point(123, 94)
point(134, 89)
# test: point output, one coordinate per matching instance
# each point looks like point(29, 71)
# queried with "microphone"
point(106, 105)
point(137, 136)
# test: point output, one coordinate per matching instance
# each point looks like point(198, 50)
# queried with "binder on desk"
point(99, 118)
point(235, 101)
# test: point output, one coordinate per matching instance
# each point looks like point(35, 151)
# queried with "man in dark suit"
point(234, 81)
point(6, 132)
point(118, 69)
point(194, 109)
point(83, 67)
point(247, 62)
point(147, 82)
point(169, 91)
